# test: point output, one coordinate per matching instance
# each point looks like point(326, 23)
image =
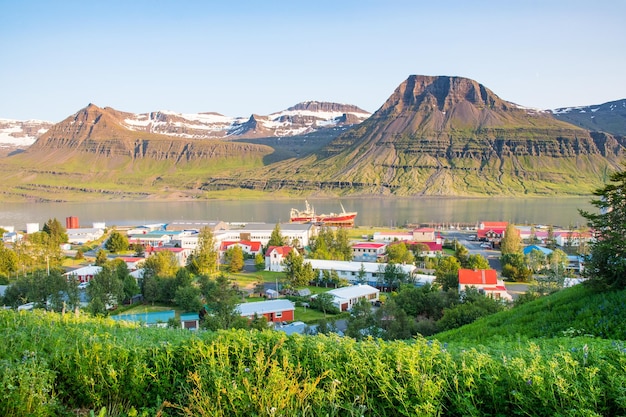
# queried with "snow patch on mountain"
point(21, 133)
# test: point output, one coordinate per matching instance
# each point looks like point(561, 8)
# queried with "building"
point(485, 281)
point(247, 247)
point(197, 225)
point(368, 251)
point(295, 234)
point(190, 321)
point(273, 310)
point(181, 254)
point(71, 223)
point(345, 298)
point(84, 274)
point(492, 231)
point(372, 271)
point(80, 236)
point(275, 257)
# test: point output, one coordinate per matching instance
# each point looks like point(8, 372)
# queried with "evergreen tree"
point(276, 238)
point(56, 231)
point(297, 272)
point(606, 265)
point(236, 262)
point(511, 242)
point(101, 257)
point(222, 298)
point(259, 262)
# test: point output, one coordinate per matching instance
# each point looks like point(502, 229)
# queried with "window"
point(278, 314)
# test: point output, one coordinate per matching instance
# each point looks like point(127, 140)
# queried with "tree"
point(514, 267)
point(362, 321)
point(324, 302)
point(204, 260)
point(361, 275)
point(511, 242)
point(222, 299)
point(188, 298)
point(550, 240)
point(462, 254)
point(105, 290)
point(8, 261)
point(393, 276)
point(536, 260)
point(297, 272)
point(606, 265)
point(116, 242)
point(399, 253)
point(477, 261)
point(236, 259)
point(101, 257)
point(447, 272)
point(276, 238)
point(259, 261)
point(56, 231)
point(162, 264)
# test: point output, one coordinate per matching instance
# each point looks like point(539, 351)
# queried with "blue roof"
point(148, 318)
point(189, 316)
point(541, 249)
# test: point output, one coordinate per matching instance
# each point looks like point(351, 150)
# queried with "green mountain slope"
point(450, 136)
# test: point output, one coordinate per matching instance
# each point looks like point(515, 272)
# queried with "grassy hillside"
point(574, 311)
point(63, 365)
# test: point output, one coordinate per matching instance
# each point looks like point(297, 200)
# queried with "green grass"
point(578, 310)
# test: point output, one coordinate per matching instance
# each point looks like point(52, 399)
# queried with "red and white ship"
point(343, 219)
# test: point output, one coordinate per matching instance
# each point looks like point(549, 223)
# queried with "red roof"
point(432, 246)
point(496, 225)
point(165, 249)
point(424, 230)
point(368, 245)
point(283, 250)
point(478, 277)
point(254, 246)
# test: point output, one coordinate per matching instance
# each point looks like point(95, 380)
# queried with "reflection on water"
point(372, 211)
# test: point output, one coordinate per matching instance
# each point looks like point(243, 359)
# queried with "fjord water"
point(385, 212)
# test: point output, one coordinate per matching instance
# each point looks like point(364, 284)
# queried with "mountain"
point(20, 134)
point(106, 152)
point(302, 118)
point(608, 117)
point(435, 135)
point(441, 135)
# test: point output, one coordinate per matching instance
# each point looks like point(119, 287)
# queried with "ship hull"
point(344, 220)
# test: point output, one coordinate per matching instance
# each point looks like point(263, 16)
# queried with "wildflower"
point(529, 382)
point(247, 370)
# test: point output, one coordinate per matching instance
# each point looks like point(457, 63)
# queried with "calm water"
point(372, 211)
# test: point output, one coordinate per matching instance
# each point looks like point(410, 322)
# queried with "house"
point(492, 231)
point(152, 319)
point(197, 225)
point(247, 247)
point(84, 274)
point(190, 321)
point(181, 254)
point(345, 298)
point(132, 262)
point(273, 310)
point(275, 256)
point(350, 271)
point(368, 251)
point(295, 234)
point(424, 234)
point(572, 238)
point(485, 281)
point(434, 248)
point(83, 235)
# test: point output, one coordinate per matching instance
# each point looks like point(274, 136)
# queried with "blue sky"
point(240, 57)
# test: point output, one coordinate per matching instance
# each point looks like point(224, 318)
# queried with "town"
point(294, 277)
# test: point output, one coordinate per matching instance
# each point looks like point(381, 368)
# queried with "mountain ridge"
point(434, 135)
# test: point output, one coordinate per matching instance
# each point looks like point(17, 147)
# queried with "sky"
point(240, 57)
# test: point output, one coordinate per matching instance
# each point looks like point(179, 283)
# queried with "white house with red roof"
point(275, 256)
point(368, 251)
point(132, 262)
point(248, 247)
point(485, 281)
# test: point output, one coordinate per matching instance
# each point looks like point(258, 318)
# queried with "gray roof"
point(270, 226)
point(265, 307)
